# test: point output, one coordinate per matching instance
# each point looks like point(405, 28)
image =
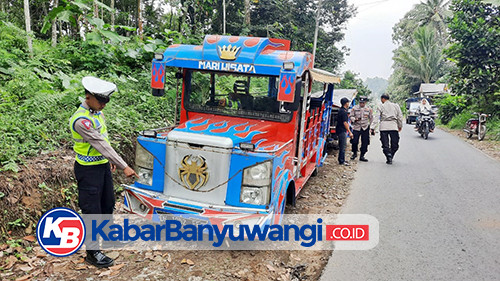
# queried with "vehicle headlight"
point(144, 165)
point(145, 176)
point(258, 175)
point(256, 187)
point(143, 158)
point(255, 195)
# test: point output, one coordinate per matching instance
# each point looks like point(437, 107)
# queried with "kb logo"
point(60, 232)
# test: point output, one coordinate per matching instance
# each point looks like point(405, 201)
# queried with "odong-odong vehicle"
point(250, 133)
point(476, 126)
point(425, 125)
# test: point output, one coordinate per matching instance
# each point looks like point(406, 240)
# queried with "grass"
point(492, 124)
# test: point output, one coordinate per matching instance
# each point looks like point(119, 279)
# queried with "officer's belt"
point(90, 158)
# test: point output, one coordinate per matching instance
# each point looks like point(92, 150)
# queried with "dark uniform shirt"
point(341, 118)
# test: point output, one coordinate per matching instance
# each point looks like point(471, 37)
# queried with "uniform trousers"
point(95, 188)
point(365, 140)
point(389, 147)
point(95, 192)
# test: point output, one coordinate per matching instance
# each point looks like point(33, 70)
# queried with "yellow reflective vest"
point(86, 154)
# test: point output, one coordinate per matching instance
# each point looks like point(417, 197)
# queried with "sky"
point(369, 36)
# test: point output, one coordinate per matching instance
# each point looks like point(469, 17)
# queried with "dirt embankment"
point(324, 194)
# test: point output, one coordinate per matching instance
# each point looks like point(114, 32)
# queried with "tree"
point(435, 13)
point(421, 35)
point(112, 6)
point(272, 18)
point(431, 12)
point(351, 81)
point(475, 33)
point(139, 20)
point(54, 26)
point(27, 18)
point(423, 59)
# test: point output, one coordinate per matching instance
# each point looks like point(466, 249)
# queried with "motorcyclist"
point(424, 109)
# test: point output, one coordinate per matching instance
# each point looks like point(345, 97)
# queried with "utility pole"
point(316, 30)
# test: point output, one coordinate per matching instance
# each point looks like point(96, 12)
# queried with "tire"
point(467, 130)
point(426, 131)
point(315, 172)
point(482, 132)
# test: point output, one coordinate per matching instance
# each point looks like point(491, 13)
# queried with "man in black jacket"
point(342, 129)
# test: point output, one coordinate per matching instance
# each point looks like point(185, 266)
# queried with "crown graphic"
point(228, 52)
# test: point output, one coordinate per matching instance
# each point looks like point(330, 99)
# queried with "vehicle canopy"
point(237, 54)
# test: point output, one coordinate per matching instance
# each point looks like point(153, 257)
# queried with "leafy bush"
point(458, 121)
point(39, 94)
point(449, 106)
point(493, 128)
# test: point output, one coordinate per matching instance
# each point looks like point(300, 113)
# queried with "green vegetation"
point(475, 31)
point(40, 88)
point(457, 44)
point(39, 95)
point(350, 80)
point(449, 106)
point(459, 120)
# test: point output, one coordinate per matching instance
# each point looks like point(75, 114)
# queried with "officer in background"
point(95, 158)
point(390, 118)
point(361, 118)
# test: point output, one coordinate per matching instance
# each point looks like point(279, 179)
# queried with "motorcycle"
point(425, 125)
point(476, 126)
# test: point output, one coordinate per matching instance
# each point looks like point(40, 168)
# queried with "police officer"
point(390, 118)
point(361, 118)
point(95, 158)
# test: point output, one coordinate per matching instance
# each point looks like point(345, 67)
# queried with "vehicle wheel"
point(315, 172)
point(482, 132)
point(426, 131)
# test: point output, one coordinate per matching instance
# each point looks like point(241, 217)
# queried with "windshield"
point(414, 106)
point(234, 95)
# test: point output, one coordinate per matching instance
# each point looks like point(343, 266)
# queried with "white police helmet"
point(99, 88)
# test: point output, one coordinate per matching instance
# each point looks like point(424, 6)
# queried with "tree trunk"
point(96, 9)
point(81, 28)
point(113, 15)
point(247, 12)
point(27, 20)
point(139, 19)
point(54, 26)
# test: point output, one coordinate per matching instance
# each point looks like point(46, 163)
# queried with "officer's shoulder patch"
point(87, 124)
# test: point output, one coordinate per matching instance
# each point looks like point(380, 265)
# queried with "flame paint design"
point(282, 176)
point(240, 132)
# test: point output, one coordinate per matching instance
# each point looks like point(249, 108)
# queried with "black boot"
point(389, 160)
point(362, 158)
point(98, 259)
point(354, 155)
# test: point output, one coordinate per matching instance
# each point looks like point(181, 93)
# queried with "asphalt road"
point(438, 207)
